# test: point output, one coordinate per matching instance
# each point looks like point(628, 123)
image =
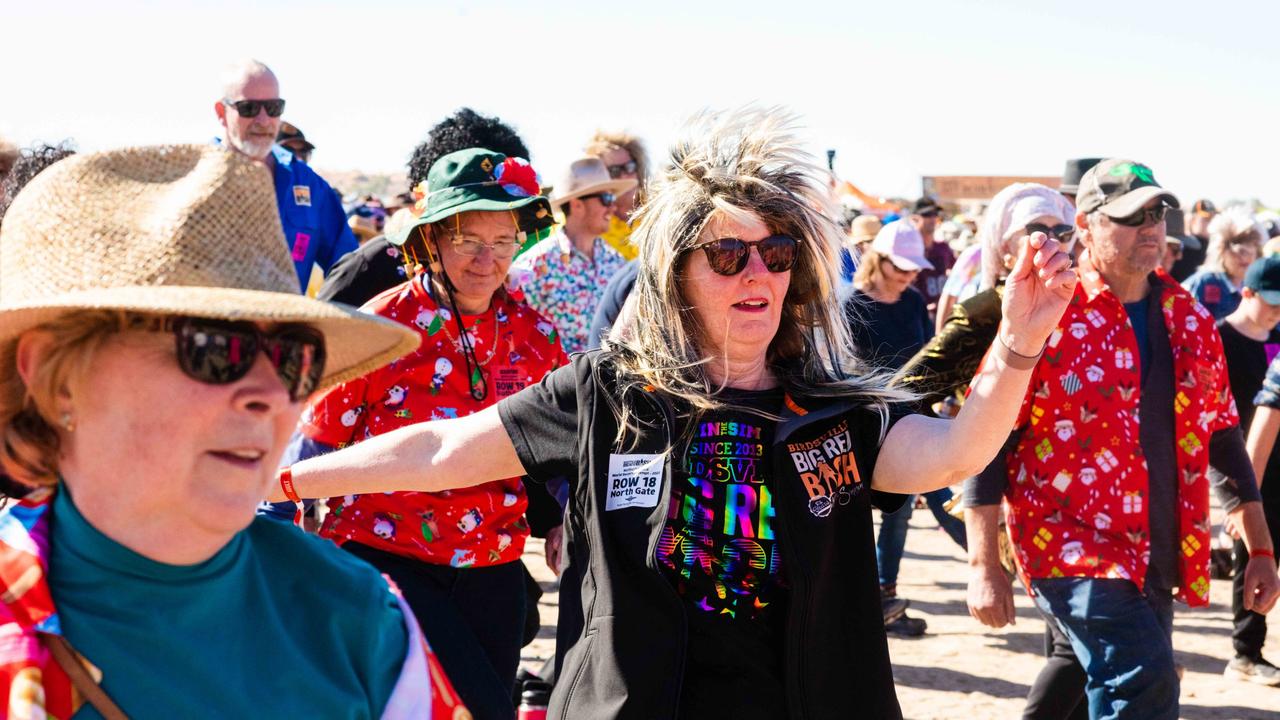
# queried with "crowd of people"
point(695, 380)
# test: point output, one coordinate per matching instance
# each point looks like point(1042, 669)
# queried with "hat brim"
point(1191, 242)
point(616, 187)
point(1271, 297)
point(355, 342)
point(1132, 202)
point(399, 235)
point(905, 262)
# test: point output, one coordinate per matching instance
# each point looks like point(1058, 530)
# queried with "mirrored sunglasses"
point(220, 352)
point(729, 256)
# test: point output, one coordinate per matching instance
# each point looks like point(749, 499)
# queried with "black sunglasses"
point(626, 168)
point(1062, 232)
point(728, 256)
point(1144, 216)
point(606, 198)
point(219, 352)
point(251, 108)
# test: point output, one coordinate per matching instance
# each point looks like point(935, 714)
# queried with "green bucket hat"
point(478, 179)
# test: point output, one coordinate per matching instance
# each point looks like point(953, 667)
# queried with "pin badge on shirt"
point(302, 195)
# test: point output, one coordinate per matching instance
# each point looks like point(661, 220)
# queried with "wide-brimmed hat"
point(1074, 170)
point(174, 230)
point(903, 244)
point(865, 228)
point(588, 176)
point(478, 179)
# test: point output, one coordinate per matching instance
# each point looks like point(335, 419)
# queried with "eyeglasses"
point(220, 352)
point(928, 213)
point(1144, 216)
point(469, 246)
point(728, 256)
point(1063, 233)
point(606, 198)
point(627, 168)
point(251, 108)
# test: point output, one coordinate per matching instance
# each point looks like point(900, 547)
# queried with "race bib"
point(634, 481)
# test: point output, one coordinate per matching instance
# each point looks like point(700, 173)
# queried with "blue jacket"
point(315, 227)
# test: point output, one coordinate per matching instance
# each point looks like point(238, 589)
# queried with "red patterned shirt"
point(469, 527)
point(1078, 490)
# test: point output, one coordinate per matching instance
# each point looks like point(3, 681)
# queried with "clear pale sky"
point(900, 90)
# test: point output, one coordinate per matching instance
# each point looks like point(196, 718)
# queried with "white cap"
point(902, 243)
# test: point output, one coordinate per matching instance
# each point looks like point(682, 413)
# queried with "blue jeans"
point(1124, 641)
point(893, 532)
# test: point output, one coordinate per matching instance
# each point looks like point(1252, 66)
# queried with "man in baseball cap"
point(1119, 189)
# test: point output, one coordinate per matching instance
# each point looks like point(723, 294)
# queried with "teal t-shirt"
point(277, 624)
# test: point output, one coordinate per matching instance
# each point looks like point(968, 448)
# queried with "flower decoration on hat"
point(419, 193)
point(518, 178)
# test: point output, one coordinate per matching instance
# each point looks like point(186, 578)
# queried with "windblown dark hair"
point(465, 128)
point(30, 162)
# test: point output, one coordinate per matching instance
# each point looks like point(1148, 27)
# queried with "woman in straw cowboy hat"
point(455, 555)
point(154, 357)
point(724, 458)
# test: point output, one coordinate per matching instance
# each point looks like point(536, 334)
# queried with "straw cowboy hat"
point(588, 176)
point(176, 230)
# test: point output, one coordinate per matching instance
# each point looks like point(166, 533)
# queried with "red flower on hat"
point(518, 177)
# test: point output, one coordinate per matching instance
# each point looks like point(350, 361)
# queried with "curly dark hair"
point(464, 129)
point(30, 162)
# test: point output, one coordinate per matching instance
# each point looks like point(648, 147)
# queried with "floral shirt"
point(469, 527)
point(565, 285)
point(1078, 485)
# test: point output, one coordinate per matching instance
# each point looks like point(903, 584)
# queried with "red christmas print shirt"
point(1076, 502)
point(471, 527)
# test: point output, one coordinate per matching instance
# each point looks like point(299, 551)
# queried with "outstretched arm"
point(428, 457)
point(1036, 294)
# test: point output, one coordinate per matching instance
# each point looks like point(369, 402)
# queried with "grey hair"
point(1231, 225)
point(234, 76)
point(742, 165)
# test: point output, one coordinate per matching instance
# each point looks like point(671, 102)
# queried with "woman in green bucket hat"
point(453, 554)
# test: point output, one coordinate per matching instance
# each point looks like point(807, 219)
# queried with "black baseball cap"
point(289, 131)
point(1118, 188)
point(1263, 277)
point(926, 205)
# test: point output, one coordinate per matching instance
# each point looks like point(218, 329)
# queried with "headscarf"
point(1011, 210)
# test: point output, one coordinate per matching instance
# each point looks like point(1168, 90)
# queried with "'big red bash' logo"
point(828, 469)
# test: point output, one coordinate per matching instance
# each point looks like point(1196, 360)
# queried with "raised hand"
point(1036, 293)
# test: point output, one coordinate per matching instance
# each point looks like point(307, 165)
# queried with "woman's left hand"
point(1036, 293)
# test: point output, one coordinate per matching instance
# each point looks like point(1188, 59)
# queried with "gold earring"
point(68, 423)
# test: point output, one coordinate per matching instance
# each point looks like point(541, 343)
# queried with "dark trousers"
point(1250, 630)
point(473, 618)
point(1058, 692)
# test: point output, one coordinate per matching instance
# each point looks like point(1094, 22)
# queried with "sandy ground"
point(961, 669)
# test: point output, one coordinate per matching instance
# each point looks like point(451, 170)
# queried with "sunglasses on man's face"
point(1062, 232)
point(220, 352)
point(606, 198)
point(729, 256)
point(251, 108)
point(626, 168)
point(1144, 216)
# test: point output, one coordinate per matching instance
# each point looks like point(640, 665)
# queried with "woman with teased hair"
point(1235, 241)
point(724, 457)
